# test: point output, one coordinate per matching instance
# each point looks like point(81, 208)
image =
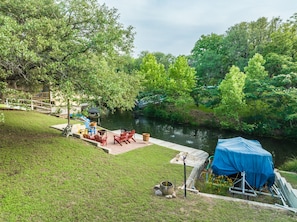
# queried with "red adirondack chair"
point(101, 139)
point(123, 137)
point(131, 135)
point(86, 136)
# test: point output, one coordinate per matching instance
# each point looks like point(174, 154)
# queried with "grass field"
point(47, 177)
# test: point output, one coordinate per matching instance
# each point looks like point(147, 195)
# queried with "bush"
point(290, 165)
point(212, 184)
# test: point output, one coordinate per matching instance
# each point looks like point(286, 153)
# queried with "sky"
point(174, 26)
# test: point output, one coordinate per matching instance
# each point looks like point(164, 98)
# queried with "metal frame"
point(249, 191)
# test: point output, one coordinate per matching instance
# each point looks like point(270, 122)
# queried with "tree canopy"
point(262, 56)
point(57, 42)
point(175, 82)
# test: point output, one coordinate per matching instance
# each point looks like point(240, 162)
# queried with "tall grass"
point(47, 177)
point(290, 165)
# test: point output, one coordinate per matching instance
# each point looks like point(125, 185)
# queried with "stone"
point(158, 192)
point(157, 187)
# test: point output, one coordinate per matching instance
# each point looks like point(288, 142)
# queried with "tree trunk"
point(68, 111)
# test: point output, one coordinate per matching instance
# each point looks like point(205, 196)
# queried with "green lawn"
point(290, 177)
point(47, 177)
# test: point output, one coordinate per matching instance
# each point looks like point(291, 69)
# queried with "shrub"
point(290, 165)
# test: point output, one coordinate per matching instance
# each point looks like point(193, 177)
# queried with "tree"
point(255, 69)
point(256, 84)
point(280, 51)
point(245, 39)
point(154, 75)
point(181, 79)
point(284, 41)
point(27, 28)
point(275, 63)
point(54, 43)
point(236, 45)
point(207, 57)
point(165, 59)
point(232, 98)
point(116, 89)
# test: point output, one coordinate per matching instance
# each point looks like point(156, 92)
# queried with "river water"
point(195, 137)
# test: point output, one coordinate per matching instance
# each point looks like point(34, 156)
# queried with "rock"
point(157, 187)
point(158, 192)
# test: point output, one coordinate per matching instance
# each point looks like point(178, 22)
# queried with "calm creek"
point(195, 137)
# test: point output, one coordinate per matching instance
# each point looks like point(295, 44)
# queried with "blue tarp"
point(237, 155)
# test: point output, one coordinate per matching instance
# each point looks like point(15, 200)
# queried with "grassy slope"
point(46, 177)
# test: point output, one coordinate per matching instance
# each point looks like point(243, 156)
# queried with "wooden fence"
point(29, 104)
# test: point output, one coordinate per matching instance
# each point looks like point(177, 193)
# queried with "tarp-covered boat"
point(237, 155)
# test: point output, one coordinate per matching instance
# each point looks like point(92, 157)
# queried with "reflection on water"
point(199, 138)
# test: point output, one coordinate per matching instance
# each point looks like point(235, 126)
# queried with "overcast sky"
point(174, 26)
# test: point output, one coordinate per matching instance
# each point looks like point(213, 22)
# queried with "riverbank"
point(205, 117)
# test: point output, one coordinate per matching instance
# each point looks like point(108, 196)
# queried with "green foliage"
point(206, 96)
point(255, 69)
point(175, 84)
point(232, 97)
point(275, 63)
point(290, 165)
point(266, 104)
point(154, 74)
point(285, 80)
point(181, 79)
point(207, 57)
point(283, 40)
point(213, 184)
point(156, 112)
point(177, 113)
point(161, 58)
point(62, 44)
point(245, 39)
point(255, 83)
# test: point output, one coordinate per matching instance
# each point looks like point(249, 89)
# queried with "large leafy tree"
point(236, 45)
point(281, 52)
point(181, 79)
point(161, 58)
point(27, 29)
point(232, 98)
point(207, 57)
point(255, 69)
point(175, 82)
point(154, 75)
point(62, 44)
point(256, 84)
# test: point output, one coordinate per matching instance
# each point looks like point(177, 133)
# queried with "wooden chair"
point(86, 136)
point(101, 139)
point(131, 135)
point(123, 137)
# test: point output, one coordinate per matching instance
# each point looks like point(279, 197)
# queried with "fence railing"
point(28, 104)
